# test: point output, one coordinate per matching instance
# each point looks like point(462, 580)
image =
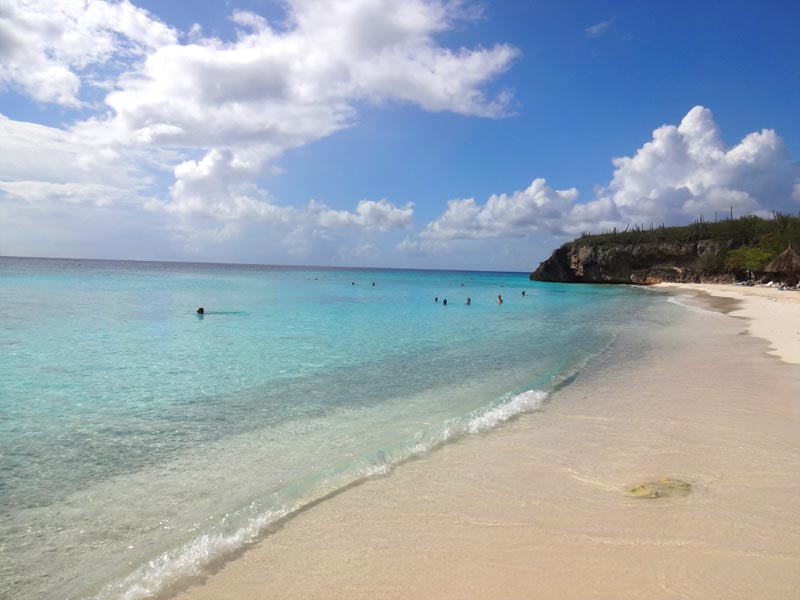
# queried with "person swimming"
point(523, 292)
point(445, 302)
point(499, 298)
point(469, 301)
point(201, 311)
point(436, 299)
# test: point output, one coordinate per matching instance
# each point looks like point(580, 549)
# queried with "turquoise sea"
point(139, 441)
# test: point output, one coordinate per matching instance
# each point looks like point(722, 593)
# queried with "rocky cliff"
point(637, 263)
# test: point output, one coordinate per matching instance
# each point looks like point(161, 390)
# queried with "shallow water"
point(140, 441)
point(541, 507)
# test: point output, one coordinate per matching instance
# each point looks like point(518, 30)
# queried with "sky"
point(386, 133)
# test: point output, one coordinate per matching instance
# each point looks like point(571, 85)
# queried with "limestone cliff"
point(642, 263)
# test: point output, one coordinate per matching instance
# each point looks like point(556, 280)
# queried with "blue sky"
point(383, 133)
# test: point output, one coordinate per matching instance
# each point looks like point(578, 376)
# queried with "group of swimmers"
point(469, 300)
point(201, 310)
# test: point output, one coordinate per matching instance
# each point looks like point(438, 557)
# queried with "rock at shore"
point(663, 488)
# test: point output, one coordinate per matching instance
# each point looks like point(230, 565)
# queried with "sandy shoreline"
point(540, 507)
point(771, 314)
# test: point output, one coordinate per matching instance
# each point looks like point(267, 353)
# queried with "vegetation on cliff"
point(719, 250)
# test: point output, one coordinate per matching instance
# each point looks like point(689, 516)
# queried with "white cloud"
point(373, 215)
point(216, 187)
point(216, 113)
point(599, 29)
point(71, 193)
point(214, 204)
point(32, 152)
point(268, 91)
point(685, 171)
point(45, 45)
point(539, 208)
point(52, 225)
point(271, 90)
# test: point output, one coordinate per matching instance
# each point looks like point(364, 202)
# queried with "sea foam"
point(189, 559)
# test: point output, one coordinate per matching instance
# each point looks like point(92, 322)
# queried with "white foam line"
point(189, 559)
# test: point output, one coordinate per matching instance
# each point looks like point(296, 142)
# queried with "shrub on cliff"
point(749, 258)
point(711, 263)
point(750, 230)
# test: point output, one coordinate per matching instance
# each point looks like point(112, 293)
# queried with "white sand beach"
point(542, 509)
point(770, 314)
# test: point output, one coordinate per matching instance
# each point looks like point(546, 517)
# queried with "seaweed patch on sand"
point(663, 488)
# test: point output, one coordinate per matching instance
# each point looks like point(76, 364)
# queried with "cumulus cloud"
point(538, 208)
point(685, 171)
point(45, 45)
point(217, 114)
point(216, 187)
point(252, 99)
point(380, 215)
point(270, 89)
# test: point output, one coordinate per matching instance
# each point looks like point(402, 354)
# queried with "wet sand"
point(770, 313)
point(541, 507)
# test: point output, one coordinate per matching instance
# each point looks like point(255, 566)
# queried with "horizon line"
point(244, 264)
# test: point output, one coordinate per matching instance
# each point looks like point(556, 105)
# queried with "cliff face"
point(642, 263)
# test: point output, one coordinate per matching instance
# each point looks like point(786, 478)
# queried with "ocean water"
point(140, 442)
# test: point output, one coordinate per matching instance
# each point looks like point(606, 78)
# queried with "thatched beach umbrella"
point(787, 263)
